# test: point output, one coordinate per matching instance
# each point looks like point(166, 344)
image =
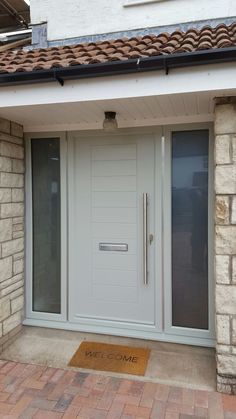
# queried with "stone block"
point(5, 309)
point(11, 150)
point(11, 139)
point(222, 269)
point(16, 293)
point(226, 364)
point(16, 129)
point(11, 180)
point(17, 220)
point(5, 195)
point(234, 148)
point(5, 229)
point(18, 227)
point(226, 384)
point(234, 333)
point(234, 269)
point(226, 299)
point(222, 209)
point(18, 256)
point(18, 166)
point(13, 287)
point(5, 126)
point(225, 121)
point(17, 195)
point(5, 164)
point(17, 304)
point(10, 281)
point(233, 210)
point(17, 234)
point(223, 329)
point(223, 149)
point(223, 349)
point(225, 179)
point(225, 240)
point(12, 210)
point(18, 266)
point(13, 321)
point(5, 268)
point(12, 247)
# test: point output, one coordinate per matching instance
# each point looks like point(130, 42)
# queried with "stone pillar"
point(11, 231)
point(225, 243)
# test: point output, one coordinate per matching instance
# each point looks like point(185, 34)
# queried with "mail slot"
point(113, 247)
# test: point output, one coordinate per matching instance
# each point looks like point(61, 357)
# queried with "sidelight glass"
point(46, 225)
point(190, 229)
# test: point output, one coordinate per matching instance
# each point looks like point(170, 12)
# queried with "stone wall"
point(225, 243)
point(11, 230)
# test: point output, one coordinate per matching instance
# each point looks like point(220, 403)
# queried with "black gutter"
point(160, 62)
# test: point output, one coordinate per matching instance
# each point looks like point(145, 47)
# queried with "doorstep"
point(171, 364)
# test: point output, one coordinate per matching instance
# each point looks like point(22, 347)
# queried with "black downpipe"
point(160, 62)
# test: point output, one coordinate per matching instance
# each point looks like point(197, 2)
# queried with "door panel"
point(108, 178)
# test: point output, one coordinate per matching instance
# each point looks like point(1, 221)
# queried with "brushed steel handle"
point(145, 240)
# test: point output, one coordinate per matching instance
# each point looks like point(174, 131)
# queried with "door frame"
point(162, 330)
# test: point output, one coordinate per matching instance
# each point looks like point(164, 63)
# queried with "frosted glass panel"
point(46, 225)
point(190, 229)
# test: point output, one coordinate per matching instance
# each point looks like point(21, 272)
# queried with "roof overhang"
point(140, 99)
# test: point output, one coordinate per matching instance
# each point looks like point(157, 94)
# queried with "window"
point(46, 225)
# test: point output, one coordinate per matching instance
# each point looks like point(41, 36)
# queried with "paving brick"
point(31, 391)
point(141, 411)
point(43, 414)
point(127, 399)
point(116, 410)
point(162, 392)
point(158, 410)
point(63, 403)
point(175, 395)
point(201, 398)
point(229, 403)
point(106, 402)
point(215, 406)
point(90, 413)
point(72, 412)
point(21, 405)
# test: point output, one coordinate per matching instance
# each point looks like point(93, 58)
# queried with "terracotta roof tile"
point(206, 38)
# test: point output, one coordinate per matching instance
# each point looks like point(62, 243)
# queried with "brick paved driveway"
point(31, 391)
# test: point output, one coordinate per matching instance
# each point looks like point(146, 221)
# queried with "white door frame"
point(162, 330)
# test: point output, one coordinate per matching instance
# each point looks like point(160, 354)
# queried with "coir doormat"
point(115, 358)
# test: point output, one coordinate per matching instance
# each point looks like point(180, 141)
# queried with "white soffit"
point(133, 112)
point(139, 99)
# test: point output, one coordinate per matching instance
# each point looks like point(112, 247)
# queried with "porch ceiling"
point(131, 112)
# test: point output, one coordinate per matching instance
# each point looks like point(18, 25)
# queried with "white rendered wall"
point(74, 18)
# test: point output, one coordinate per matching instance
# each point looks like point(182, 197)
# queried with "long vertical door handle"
point(145, 240)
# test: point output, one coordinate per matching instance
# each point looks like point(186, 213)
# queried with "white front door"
point(109, 179)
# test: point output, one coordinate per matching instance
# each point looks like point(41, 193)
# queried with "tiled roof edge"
point(156, 30)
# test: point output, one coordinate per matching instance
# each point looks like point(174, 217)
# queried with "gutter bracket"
point(166, 68)
point(138, 64)
point(59, 79)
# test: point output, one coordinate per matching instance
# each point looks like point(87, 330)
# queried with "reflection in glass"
point(190, 229)
point(46, 225)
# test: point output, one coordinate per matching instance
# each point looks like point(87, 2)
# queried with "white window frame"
point(30, 313)
point(167, 236)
